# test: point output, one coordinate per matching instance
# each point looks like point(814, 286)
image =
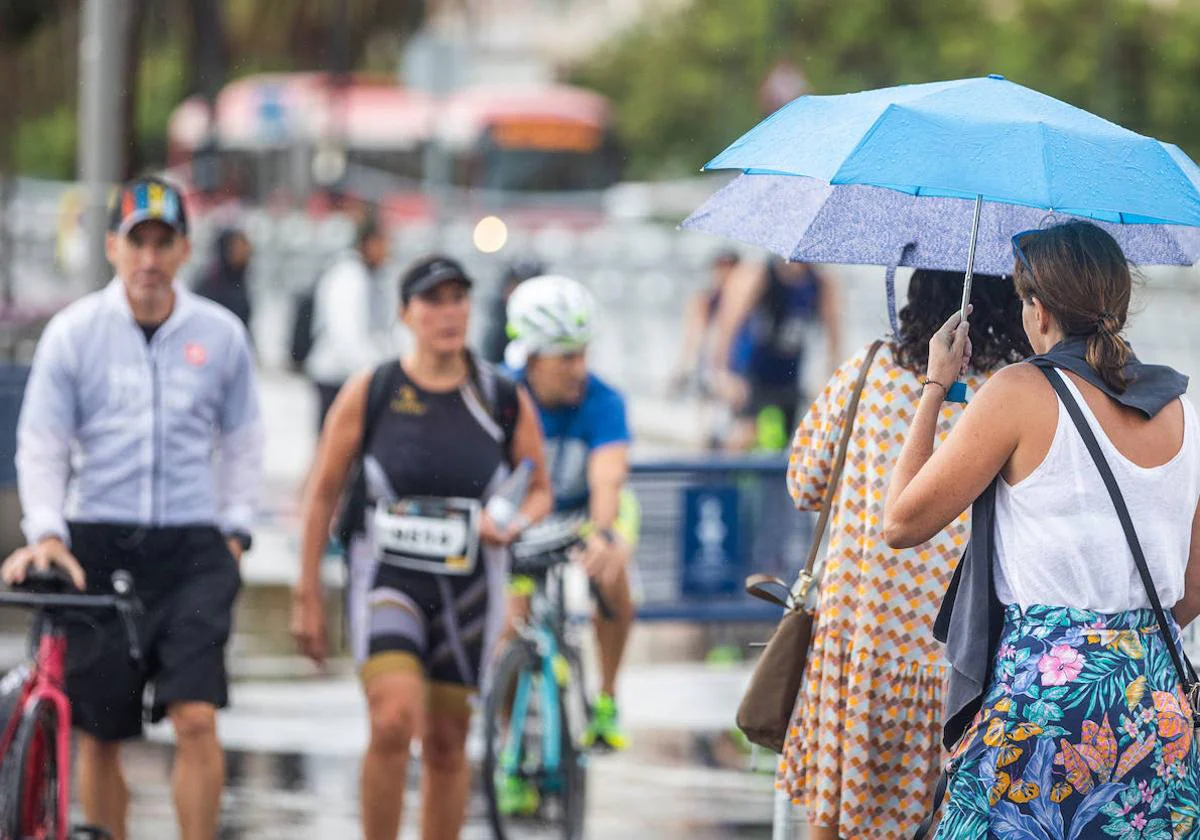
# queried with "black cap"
point(148, 200)
point(428, 273)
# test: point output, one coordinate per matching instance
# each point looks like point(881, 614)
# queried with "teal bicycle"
point(537, 707)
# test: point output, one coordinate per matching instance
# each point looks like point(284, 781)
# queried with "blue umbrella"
point(985, 139)
point(976, 138)
point(807, 220)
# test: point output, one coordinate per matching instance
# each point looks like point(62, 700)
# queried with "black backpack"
point(304, 313)
point(496, 390)
point(303, 336)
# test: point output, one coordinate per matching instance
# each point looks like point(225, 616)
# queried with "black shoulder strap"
point(508, 407)
point(377, 399)
point(1183, 668)
point(499, 395)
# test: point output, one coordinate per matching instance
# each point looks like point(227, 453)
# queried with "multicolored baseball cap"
point(148, 200)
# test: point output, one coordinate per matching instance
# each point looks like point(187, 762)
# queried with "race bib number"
point(439, 536)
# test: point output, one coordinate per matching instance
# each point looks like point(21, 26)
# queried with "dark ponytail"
point(1108, 353)
point(1080, 275)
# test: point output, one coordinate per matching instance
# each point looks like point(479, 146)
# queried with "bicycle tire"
point(518, 658)
point(575, 760)
point(29, 778)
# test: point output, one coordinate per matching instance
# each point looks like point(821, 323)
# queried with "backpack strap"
point(500, 397)
point(352, 515)
point(377, 399)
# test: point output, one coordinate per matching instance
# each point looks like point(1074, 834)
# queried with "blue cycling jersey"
point(574, 432)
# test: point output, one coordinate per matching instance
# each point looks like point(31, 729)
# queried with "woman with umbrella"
point(1083, 729)
point(865, 733)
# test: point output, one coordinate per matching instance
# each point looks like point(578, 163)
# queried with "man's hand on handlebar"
point(50, 552)
point(603, 560)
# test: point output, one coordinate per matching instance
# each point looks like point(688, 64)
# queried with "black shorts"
point(410, 621)
point(187, 581)
point(784, 397)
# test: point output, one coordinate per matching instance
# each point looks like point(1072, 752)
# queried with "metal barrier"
point(708, 523)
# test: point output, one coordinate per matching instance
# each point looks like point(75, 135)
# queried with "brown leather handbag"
point(765, 712)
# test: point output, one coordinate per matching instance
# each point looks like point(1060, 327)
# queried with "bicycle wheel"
point(29, 778)
point(515, 715)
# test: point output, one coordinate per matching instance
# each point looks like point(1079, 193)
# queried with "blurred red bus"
point(532, 152)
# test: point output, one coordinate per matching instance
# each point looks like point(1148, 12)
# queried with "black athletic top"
point(444, 445)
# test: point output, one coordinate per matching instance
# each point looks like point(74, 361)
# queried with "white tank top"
point(1059, 541)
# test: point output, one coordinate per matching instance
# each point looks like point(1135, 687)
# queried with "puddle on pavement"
point(300, 797)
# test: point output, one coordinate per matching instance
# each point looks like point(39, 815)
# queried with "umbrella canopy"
point(808, 220)
point(971, 138)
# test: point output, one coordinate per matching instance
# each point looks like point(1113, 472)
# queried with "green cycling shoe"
point(516, 797)
point(604, 730)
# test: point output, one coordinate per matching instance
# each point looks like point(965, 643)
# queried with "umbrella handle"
point(957, 393)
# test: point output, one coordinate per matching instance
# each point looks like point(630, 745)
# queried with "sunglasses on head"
point(1016, 247)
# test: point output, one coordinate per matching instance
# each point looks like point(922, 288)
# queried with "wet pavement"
point(293, 746)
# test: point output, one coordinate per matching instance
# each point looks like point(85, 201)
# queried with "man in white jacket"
point(139, 447)
point(353, 314)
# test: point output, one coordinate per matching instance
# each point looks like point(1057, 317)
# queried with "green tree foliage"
point(685, 86)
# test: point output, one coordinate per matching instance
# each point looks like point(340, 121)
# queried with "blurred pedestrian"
point(781, 304)
point(694, 370)
point(430, 437)
point(353, 315)
point(140, 448)
point(225, 281)
point(865, 739)
point(496, 340)
point(1067, 703)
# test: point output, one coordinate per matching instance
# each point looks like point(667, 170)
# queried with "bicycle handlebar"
point(539, 563)
point(44, 591)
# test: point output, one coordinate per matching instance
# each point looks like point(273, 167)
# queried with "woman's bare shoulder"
point(1022, 378)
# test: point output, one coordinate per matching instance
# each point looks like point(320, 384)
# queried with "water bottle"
point(577, 595)
point(502, 507)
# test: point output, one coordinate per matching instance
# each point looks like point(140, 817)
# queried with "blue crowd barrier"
point(12, 389)
point(707, 523)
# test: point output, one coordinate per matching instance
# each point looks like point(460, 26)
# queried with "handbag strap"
point(805, 580)
point(1183, 668)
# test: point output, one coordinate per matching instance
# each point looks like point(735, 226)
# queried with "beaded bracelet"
point(927, 381)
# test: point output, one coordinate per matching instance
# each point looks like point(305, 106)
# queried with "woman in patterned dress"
point(1084, 731)
point(865, 738)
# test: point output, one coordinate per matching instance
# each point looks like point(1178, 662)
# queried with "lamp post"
point(100, 52)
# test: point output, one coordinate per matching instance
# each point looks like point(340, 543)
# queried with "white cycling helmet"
point(551, 314)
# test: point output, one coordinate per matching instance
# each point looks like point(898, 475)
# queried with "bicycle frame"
point(44, 682)
point(540, 630)
point(43, 685)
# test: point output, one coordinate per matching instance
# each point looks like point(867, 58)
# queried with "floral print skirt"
point(1084, 733)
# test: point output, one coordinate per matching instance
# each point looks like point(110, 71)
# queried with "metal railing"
point(707, 523)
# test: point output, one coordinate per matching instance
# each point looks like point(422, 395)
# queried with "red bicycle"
point(35, 744)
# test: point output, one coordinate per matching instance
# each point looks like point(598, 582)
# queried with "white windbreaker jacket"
point(117, 429)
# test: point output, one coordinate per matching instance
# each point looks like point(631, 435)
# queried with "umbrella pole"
point(958, 391)
point(966, 297)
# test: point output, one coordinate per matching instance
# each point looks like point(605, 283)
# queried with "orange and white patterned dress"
point(865, 743)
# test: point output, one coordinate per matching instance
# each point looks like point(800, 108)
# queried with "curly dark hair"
point(997, 335)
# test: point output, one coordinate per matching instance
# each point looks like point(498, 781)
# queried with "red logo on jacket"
point(195, 354)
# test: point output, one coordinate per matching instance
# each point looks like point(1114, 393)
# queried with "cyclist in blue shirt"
point(587, 453)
